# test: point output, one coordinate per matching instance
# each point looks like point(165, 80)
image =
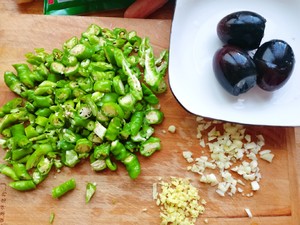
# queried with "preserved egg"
point(244, 29)
point(234, 69)
point(274, 64)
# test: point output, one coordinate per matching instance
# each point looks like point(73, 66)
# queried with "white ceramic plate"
point(193, 44)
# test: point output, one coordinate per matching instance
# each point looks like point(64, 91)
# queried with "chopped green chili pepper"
point(154, 116)
point(52, 217)
point(132, 165)
point(130, 160)
point(40, 151)
point(83, 145)
point(24, 74)
point(70, 158)
point(113, 129)
point(81, 51)
point(23, 185)
point(13, 82)
point(103, 85)
point(62, 94)
point(37, 177)
point(10, 105)
point(102, 151)
point(90, 191)
point(136, 122)
point(150, 146)
point(8, 171)
point(21, 172)
point(44, 166)
point(112, 109)
point(17, 154)
point(97, 164)
point(111, 165)
point(10, 119)
point(94, 98)
point(63, 188)
point(45, 112)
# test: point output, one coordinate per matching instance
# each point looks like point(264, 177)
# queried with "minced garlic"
point(232, 151)
point(179, 202)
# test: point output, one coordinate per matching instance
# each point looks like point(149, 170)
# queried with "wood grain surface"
point(118, 199)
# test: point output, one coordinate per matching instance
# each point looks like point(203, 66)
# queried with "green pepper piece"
point(109, 54)
point(81, 51)
point(70, 158)
point(70, 43)
point(13, 82)
point(71, 71)
point(69, 60)
point(23, 185)
point(149, 96)
point(35, 157)
point(110, 165)
point(150, 146)
point(136, 122)
point(113, 129)
point(56, 120)
point(8, 171)
point(18, 132)
point(69, 136)
point(112, 109)
point(37, 177)
point(24, 74)
point(134, 83)
point(83, 145)
point(45, 112)
point(102, 151)
point(17, 154)
point(109, 97)
point(118, 85)
point(30, 131)
point(78, 92)
point(91, 104)
point(94, 138)
point(10, 119)
point(42, 101)
point(97, 164)
point(62, 94)
point(85, 83)
point(44, 166)
point(21, 172)
point(104, 85)
point(65, 145)
point(154, 116)
point(57, 54)
point(63, 188)
point(41, 120)
point(132, 165)
point(90, 191)
point(54, 77)
point(57, 67)
point(127, 102)
point(36, 58)
point(10, 105)
point(51, 218)
point(100, 66)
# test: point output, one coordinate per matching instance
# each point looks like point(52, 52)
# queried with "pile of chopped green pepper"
point(95, 98)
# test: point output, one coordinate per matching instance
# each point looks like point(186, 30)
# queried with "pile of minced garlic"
point(232, 152)
point(179, 201)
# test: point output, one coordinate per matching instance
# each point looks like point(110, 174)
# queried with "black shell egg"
point(234, 70)
point(244, 29)
point(274, 61)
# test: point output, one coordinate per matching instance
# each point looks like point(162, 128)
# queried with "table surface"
point(166, 12)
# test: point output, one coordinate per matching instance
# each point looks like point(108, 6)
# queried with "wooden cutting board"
point(120, 200)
